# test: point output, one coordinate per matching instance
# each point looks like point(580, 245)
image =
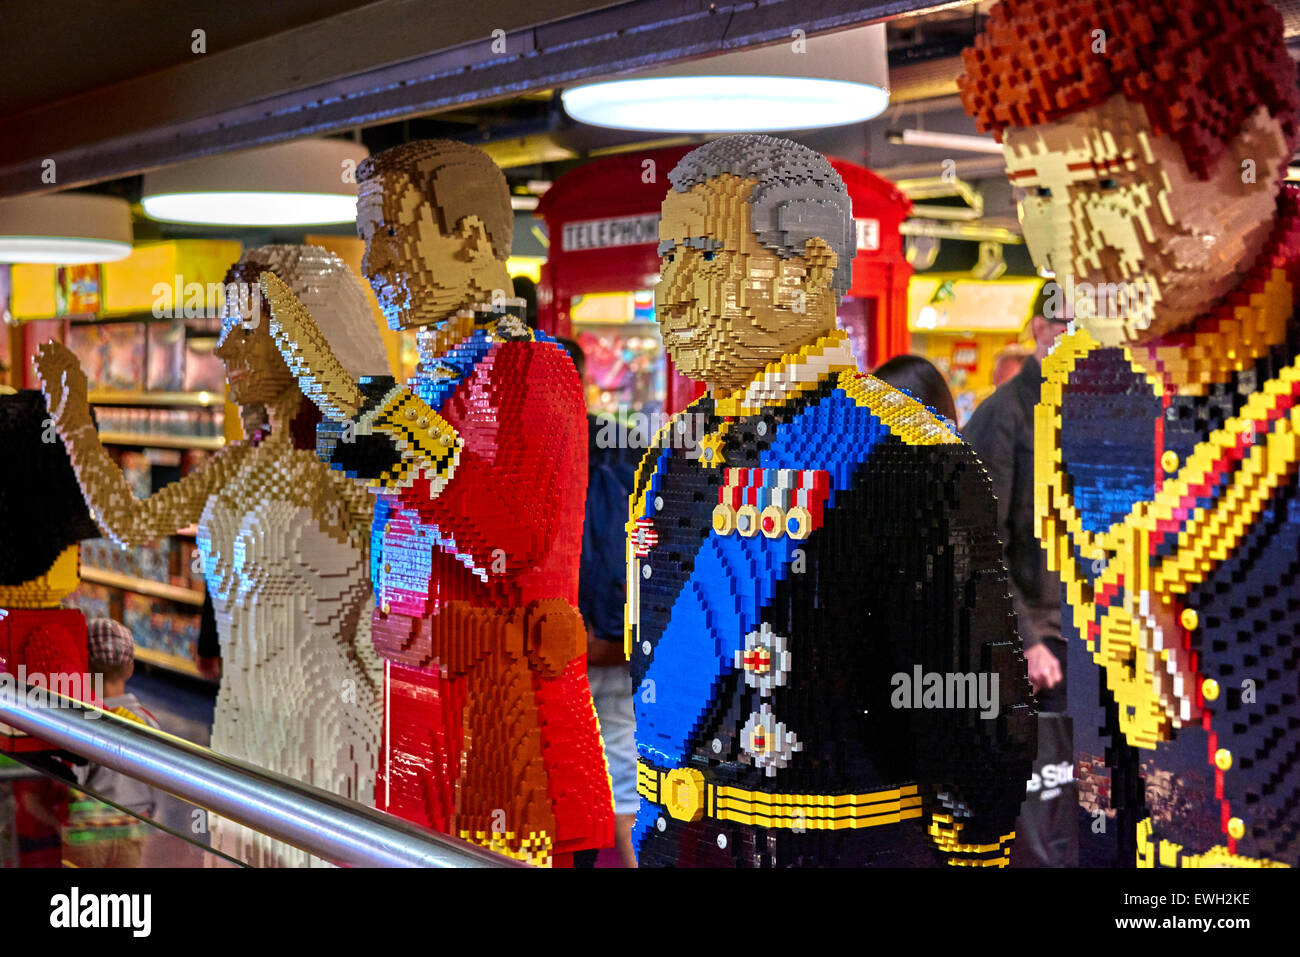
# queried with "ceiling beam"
point(389, 60)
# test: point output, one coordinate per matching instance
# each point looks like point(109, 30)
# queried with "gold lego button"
point(683, 791)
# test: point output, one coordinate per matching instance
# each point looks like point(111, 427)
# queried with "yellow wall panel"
point(129, 283)
point(32, 292)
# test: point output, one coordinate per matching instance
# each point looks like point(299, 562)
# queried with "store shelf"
point(157, 399)
point(164, 660)
point(142, 586)
point(162, 441)
point(617, 323)
point(117, 318)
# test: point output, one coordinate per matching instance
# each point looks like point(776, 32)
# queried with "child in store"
point(97, 834)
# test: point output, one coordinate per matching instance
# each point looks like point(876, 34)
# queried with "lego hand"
point(554, 634)
point(395, 437)
point(64, 385)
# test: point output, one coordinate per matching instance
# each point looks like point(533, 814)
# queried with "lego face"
point(1138, 244)
point(420, 275)
point(726, 305)
point(255, 371)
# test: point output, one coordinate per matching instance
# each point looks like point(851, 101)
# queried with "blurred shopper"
point(526, 290)
point(207, 650)
point(1002, 431)
point(920, 379)
point(602, 592)
point(97, 834)
point(1008, 362)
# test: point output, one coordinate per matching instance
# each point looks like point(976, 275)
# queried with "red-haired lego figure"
point(1151, 139)
point(479, 467)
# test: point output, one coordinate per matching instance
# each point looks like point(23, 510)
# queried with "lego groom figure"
point(1151, 139)
point(479, 464)
point(827, 662)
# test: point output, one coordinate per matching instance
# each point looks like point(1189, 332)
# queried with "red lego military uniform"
point(489, 728)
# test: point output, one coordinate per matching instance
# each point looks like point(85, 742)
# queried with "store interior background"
point(159, 392)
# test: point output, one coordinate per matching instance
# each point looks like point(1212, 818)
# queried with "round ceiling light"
point(303, 183)
point(64, 228)
point(826, 80)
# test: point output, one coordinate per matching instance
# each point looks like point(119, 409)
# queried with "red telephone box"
point(874, 311)
point(602, 265)
point(599, 277)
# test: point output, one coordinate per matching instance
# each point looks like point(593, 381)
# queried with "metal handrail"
point(316, 821)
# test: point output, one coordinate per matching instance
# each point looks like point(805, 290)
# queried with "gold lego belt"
point(686, 796)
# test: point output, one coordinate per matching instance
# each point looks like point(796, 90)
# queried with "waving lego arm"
point(123, 517)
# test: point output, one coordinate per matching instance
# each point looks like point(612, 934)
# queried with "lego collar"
point(1259, 437)
point(1126, 610)
point(790, 376)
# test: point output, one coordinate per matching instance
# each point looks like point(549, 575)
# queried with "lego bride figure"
point(284, 542)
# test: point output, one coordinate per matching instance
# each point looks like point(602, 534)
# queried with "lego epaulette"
point(436, 381)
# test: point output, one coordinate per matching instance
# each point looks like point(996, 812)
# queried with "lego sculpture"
point(816, 590)
point(283, 539)
point(1151, 139)
point(45, 519)
point(479, 470)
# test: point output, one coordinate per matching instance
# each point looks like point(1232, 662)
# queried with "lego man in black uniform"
point(827, 662)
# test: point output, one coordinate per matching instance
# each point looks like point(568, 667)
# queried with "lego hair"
point(457, 179)
point(335, 296)
point(331, 291)
point(1199, 68)
point(44, 511)
point(799, 195)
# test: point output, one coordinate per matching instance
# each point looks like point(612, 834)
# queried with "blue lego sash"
point(735, 577)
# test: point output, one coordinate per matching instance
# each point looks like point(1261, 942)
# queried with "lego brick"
point(284, 543)
point(826, 534)
point(478, 468)
point(1151, 140)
